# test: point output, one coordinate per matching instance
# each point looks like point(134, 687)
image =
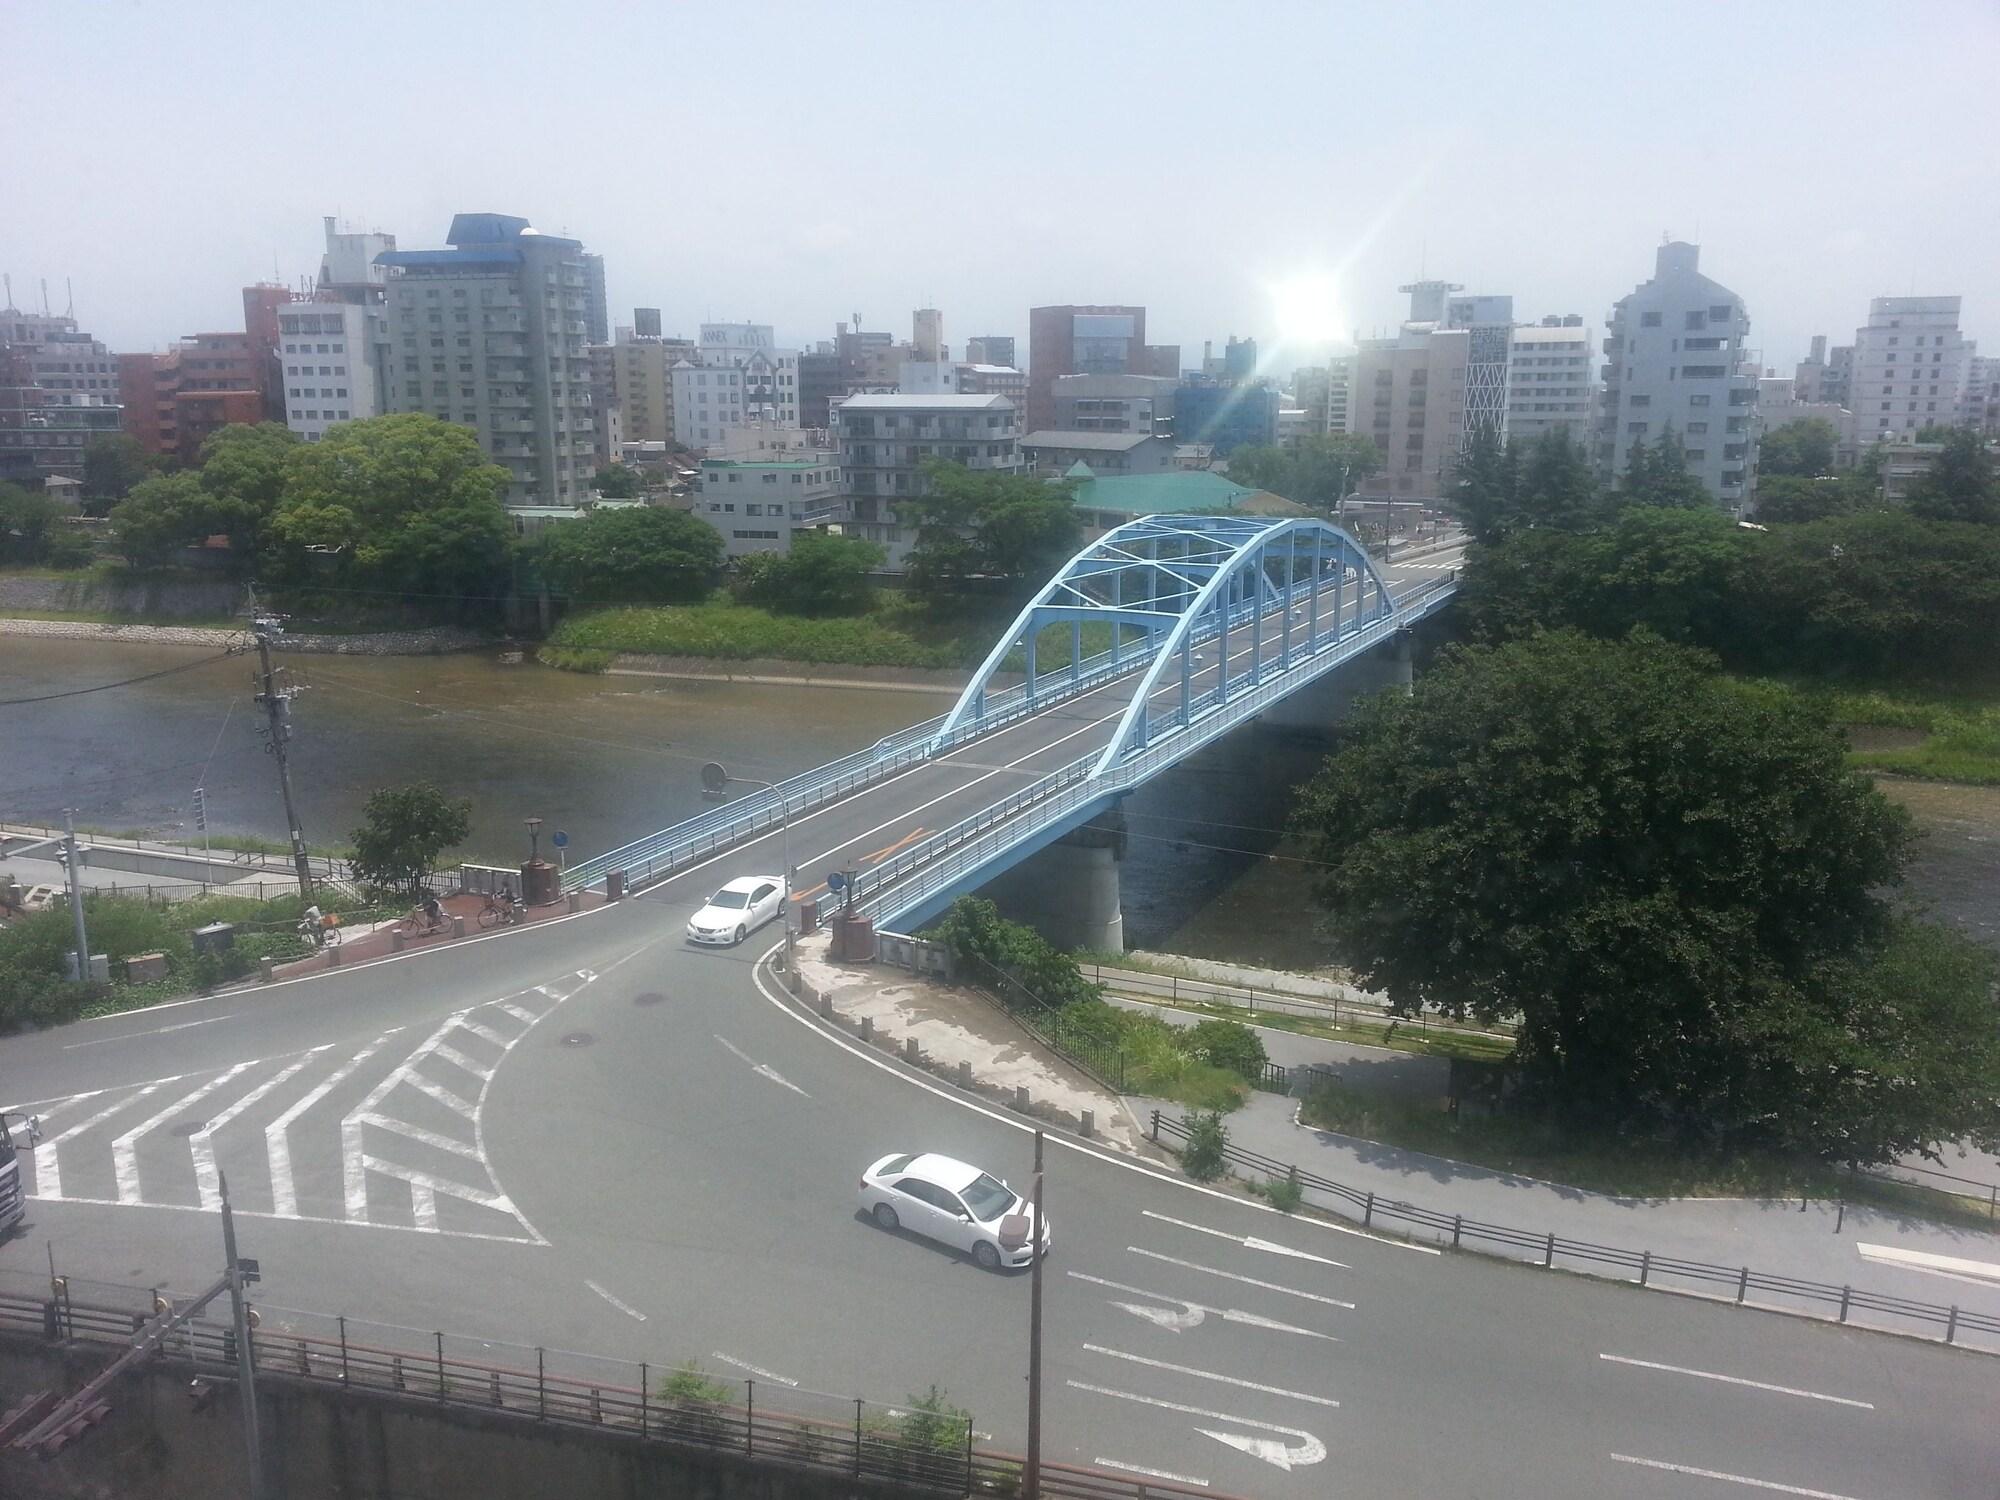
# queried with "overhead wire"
point(105, 687)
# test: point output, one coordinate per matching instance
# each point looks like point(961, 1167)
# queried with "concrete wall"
point(121, 596)
point(327, 1444)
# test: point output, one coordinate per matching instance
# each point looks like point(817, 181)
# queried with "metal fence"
point(1551, 1250)
point(1102, 1060)
point(1972, 1194)
point(1333, 1010)
point(915, 1447)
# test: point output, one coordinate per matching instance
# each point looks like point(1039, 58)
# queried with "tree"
point(822, 574)
point(1660, 476)
point(112, 463)
point(1318, 472)
point(1960, 484)
point(1802, 449)
point(1673, 881)
point(398, 504)
point(31, 529)
point(970, 524)
point(246, 466)
point(165, 514)
point(642, 554)
point(1558, 487)
point(1788, 499)
point(1487, 482)
point(617, 482)
point(403, 831)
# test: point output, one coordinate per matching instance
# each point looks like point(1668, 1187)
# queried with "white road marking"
point(133, 1036)
point(206, 1177)
point(1227, 1314)
point(1165, 1317)
point(1269, 1286)
point(419, 1133)
point(484, 1031)
point(284, 1201)
point(1743, 1479)
point(1250, 1242)
point(458, 1059)
point(1167, 1475)
point(440, 1093)
point(767, 1071)
point(735, 1051)
point(1287, 1456)
point(1978, 1272)
point(625, 1307)
point(761, 1374)
point(48, 1169)
point(423, 1207)
point(519, 1013)
point(451, 1188)
point(125, 1151)
point(1248, 1385)
point(354, 1176)
point(1782, 1390)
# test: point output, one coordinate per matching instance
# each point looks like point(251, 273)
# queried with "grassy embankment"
point(1961, 729)
point(897, 631)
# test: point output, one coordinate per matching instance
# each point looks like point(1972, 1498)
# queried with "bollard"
point(964, 1074)
point(867, 1028)
point(269, 966)
point(1021, 1096)
point(458, 927)
point(1457, 1224)
point(1742, 1283)
point(1548, 1251)
point(826, 1006)
point(1846, 1297)
point(1087, 1125)
point(333, 958)
point(910, 1051)
point(1951, 1328)
point(395, 943)
point(575, 900)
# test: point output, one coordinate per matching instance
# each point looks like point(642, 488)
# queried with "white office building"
point(324, 350)
point(1677, 358)
point(1910, 367)
point(1552, 379)
point(765, 485)
point(736, 377)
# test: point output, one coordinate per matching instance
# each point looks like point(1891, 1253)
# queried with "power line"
point(104, 687)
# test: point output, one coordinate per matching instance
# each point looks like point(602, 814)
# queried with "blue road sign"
point(835, 881)
point(559, 839)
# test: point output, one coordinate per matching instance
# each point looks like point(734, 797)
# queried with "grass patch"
point(725, 631)
point(1961, 722)
point(1962, 747)
point(575, 658)
point(1434, 1040)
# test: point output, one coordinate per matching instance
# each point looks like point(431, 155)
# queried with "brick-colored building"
point(173, 401)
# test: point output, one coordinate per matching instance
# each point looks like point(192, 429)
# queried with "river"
point(607, 758)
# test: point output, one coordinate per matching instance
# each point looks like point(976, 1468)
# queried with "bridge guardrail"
point(925, 1452)
point(1648, 1269)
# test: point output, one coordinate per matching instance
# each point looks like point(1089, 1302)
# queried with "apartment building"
point(325, 360)
point(1677, 358)
point(1911, 365)
point(1114, 403)
point(1552, 379)
point(884, 442)
point(59, 388)
point(735, 376)
point(491, 333)
point(1408, 396)
point(1826, 375)
point(767, 484)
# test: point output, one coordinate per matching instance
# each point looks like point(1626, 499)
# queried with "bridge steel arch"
point(1174, 583)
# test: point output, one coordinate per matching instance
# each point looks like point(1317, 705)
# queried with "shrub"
point(1202, 1157)
point(1283, 1193)
point(1230, 1045)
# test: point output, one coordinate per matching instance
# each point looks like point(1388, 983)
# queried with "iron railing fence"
point(1177, 989)
point(1647, 1269)
point(1103, 1060)
point(1976, 1193)
point(918, 1450)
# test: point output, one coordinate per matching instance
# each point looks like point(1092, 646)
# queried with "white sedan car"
point(950, 1201)
point(738, 909)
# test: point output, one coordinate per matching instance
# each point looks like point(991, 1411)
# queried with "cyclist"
point(310, 924)
point(433, 912)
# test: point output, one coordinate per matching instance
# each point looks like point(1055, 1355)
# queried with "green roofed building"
point(1107, 501)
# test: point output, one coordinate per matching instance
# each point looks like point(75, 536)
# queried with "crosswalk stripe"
point(484, 1031)
point(206, 1178)
point(442, 1094)
point(125, 1151)
point(418, 1133)
point(48, 1170)
point(284, 1202)
point(354, 1179)
point(459, 1060)
point(520, 1013)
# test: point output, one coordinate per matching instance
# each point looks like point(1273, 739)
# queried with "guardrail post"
point(1951, 1324)
point(857, 1437)
point(396, 1371)
point(749, 1416)
point(541, 1383)
point(440, 1345)
point(596, 1404)
point(498, 1399)
point(1645, 1265)
point(1846, 1297)
point(1457, 1224)
point(1548, 1250)
point(343, 1348)
point(1154, 1133)
point(1742, 1284)
point(1368, 1211)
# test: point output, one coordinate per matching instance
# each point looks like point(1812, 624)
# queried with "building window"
point(1649, 320)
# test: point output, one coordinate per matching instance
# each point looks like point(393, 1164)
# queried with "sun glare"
point(1308, 308)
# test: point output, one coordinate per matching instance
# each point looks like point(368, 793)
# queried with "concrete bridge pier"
point(1069, 891)
point(1321, 705)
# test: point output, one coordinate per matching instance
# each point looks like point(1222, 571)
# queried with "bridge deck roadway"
point(662, 1131)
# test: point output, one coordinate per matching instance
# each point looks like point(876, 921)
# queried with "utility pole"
point(246, 1363)
point(1031, 1478)
point(76, 896)
point(277, 708)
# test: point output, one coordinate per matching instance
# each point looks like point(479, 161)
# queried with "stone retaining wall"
point(135, 596)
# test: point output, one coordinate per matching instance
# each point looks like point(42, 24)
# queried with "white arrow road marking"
point(734, 1051)
point(762, 1070)
point(1978, 1272)
point(1287, 1456)
point(625, 1307)
point(1227, 1314)
point(1165, 1474)
point(1744, 1479)
point(1269, 1286)
point(761, 1374)
point(1782, 1390)
point(1250, 1241)
point(205, 1175)
point(1248, 1385)
point(1165, 1317)
point(278, 1147)
point(125, 1150)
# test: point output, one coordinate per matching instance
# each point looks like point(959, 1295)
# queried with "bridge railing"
point(941, 861)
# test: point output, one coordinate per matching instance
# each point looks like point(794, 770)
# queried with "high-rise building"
point(990, 349)
point(1239, 359)
point(1080, 341)
point(1322, 392)
point(735, 376)
point(1910, 367)
point(59, 388)
point(1226, 414)
point(646, 322)
point(764, 484)
point(927, 335)
point(1981, 408)
point(325, 354)
point(635, 377)
point(1490, 321)
point(596, 306)
point(260, 325)
point(492, 333)
point(1678, 360)
point(1551, 380)
point(1408, 396)
point(1826, 375)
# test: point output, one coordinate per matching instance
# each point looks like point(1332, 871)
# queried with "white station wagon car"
point(950, 1201)
point(738, 909)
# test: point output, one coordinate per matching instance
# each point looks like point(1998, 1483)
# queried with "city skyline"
point(1507, 174)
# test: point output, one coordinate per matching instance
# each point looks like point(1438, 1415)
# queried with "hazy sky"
point(791, 164)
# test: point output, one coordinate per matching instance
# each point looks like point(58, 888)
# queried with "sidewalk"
point(360, 944)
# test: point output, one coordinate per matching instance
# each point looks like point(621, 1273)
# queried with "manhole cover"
point(651, 997)
point(187, 1128)
point(578, 1039)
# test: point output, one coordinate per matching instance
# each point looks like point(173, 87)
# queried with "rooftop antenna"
point(9, 278)
point(69, 290)
point(45, 296)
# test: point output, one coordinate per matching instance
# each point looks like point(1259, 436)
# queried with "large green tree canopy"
point(631, 555)
point(1672, 880)
point(1317, 472)
point(1010, 527)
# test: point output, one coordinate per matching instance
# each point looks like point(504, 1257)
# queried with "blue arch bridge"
point(1153, 641)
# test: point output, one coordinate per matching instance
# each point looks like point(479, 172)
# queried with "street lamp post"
point(715, 781)
point(534, 839)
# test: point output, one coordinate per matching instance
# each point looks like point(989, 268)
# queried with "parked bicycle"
point(500, 909)
point(424, 919)
point(321, 931)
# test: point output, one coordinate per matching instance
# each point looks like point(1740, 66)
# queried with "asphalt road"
point(586, 1134)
